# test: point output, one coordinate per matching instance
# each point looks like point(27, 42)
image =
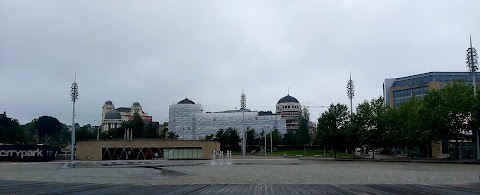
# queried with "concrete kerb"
point(393, 160)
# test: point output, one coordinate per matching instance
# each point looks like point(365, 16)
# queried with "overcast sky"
point(159, 52)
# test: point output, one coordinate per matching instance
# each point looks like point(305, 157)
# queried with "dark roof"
point(287, 99)
point(186, 101)
point(108, 102)
point(425, 78)
point(113, 114)
point(123, 109)
point(233, 111)
point(265, 113)
point(136, 104)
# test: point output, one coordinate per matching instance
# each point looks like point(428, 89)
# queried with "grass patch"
point(308, 152)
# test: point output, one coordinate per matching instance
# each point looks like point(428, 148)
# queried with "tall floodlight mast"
point(472, 64)
point(243, 106)
point(74, 95)
point(350, 93)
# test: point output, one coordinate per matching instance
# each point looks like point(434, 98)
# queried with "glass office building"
point(399, 90)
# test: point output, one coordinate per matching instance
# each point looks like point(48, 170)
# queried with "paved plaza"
point(260, 175)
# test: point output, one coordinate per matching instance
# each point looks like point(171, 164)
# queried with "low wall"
point(92, 150)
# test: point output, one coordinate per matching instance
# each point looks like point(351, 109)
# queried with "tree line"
point(438, 116)
point(140, 129)
point(48, 130)
point(230, 138)
point(45, 129)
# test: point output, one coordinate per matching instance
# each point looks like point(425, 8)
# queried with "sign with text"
point(28, 153)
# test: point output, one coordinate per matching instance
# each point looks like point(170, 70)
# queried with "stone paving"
point(25, 187)
point(252, 171)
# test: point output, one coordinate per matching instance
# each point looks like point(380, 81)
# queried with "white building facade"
point(112, 117)
point(189, 121)
point(291, 110)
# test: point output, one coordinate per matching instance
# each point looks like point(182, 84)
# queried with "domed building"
point(188, 120)
point(182, 118)
point(112, 117)
point(290, 109)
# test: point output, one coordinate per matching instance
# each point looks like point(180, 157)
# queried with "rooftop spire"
point(470, 40)
point(243, 100)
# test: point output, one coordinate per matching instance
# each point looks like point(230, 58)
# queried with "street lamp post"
point(74, 95)
point(271, 141)
point(243, 136)
point(472, 64)
point(351, 93)
point(96, 128)
point(265, 136)
point(243, 105)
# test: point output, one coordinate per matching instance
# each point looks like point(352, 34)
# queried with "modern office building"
point(399, 90)
point(190, 122)
point(112, 117)
point(290, 109)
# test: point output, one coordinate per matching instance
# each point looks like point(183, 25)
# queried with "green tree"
point(3, 134)
point(233, 139)
point(302, 135)
point(164, 130)
point(30, 129)
point(332, 127)
point(138, 126)
point(11, 132)
point(222, 137)
point(229, 139)
point(372, 127)
point(151, 130)
point(277, 137)
point(451, 112)
point(119, 132)
point(172, 135)
point(394, 132)
point(209, 137)
point(49, 130)
point(253, 138)
point(289, 138)
point(411, 131)
point(84, 133)
point(352, 133)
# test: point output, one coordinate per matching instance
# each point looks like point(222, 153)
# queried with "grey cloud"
point(159, 52)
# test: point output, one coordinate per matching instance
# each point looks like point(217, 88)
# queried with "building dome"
point(288, 99)
point(136, 104)
point(113, 114)
point(186, 101)
point(108, 102)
